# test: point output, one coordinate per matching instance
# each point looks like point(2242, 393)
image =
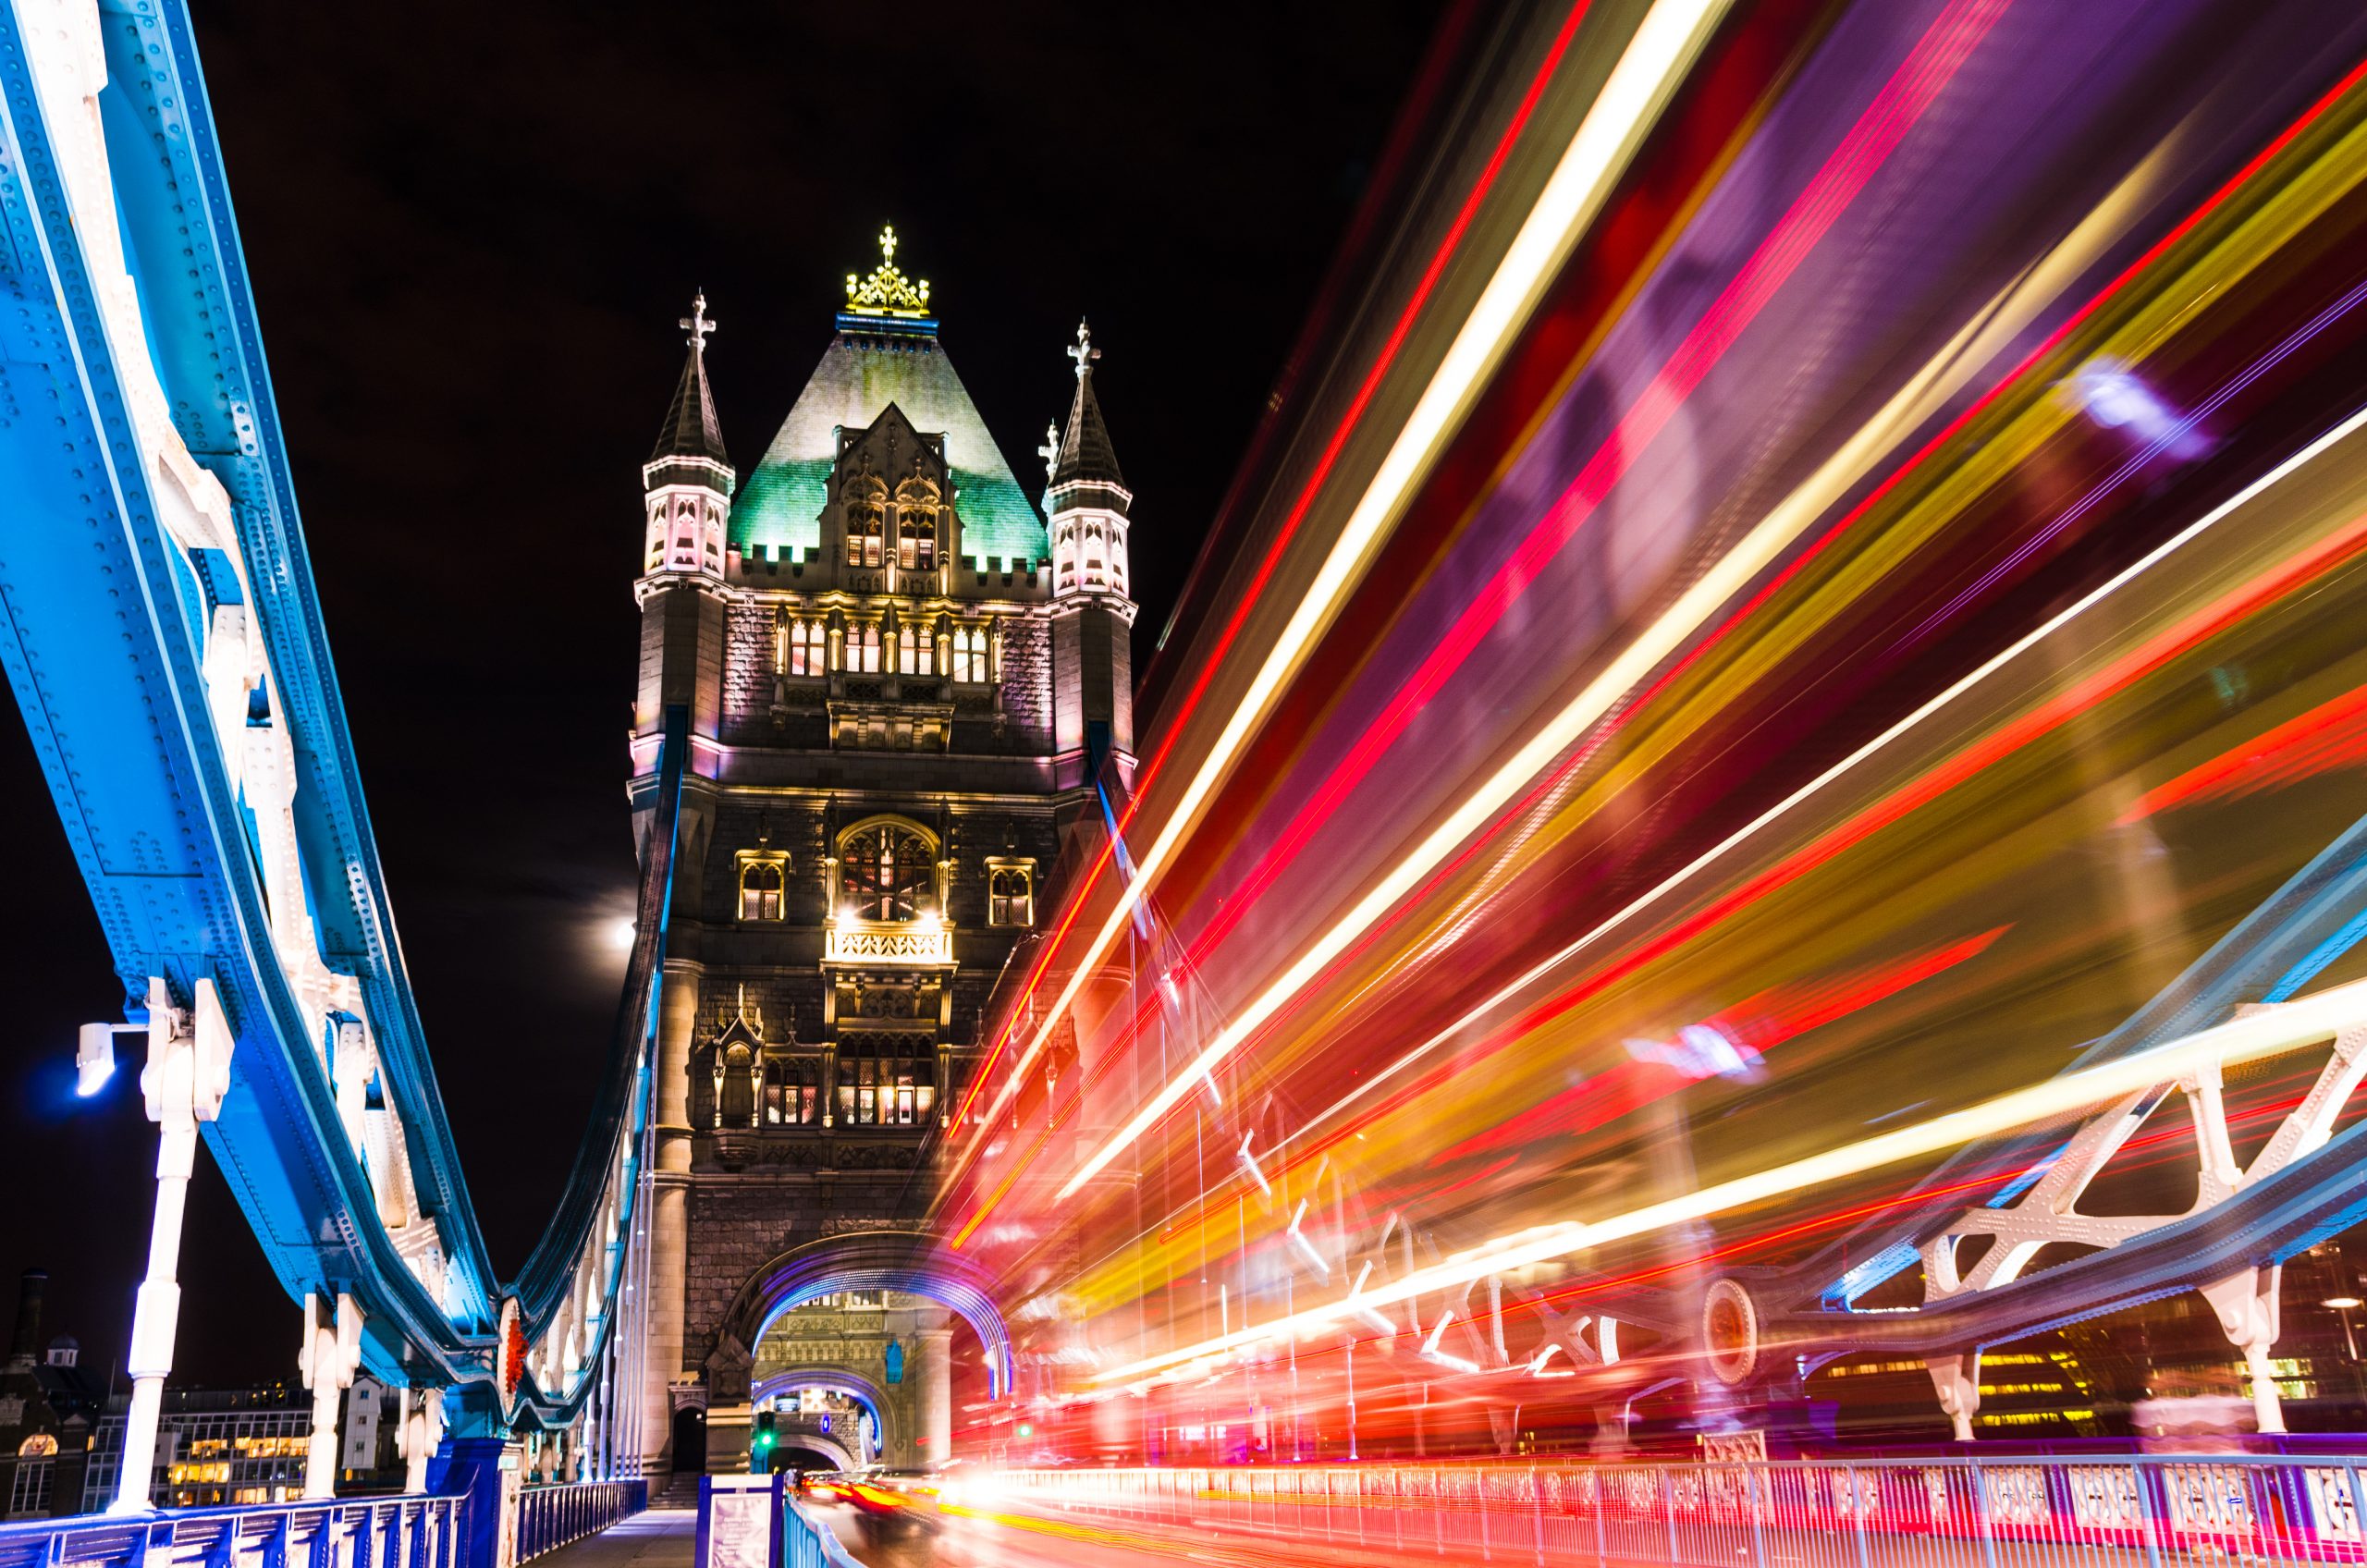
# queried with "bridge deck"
point(661, 1537)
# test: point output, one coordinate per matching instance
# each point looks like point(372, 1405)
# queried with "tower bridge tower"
point(901, 688)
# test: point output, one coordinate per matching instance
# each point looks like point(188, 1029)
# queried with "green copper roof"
point(780, 506)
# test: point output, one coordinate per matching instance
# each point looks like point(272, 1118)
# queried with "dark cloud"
point(471, 229)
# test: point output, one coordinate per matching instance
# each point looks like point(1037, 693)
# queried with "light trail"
point(1664, 637)
point(1851, 165)
point(2237, 1043)
point(1648, 71)
point(1349, 421)
point(2181, 637)
point(1860, 154)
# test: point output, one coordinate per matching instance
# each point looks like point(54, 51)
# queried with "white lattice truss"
point(2048, 1213)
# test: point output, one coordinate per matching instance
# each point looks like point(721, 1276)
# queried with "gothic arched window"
point(916, 525)
point(760, 887)
point(970, 654)
point(866, 524)
point(887, 1081)
point(863, 648)
point(886, 872)
point(1011, 896)
point(809, 650)
point(791, 1093)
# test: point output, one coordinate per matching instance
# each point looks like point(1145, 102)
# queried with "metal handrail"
point(2001, 1513)
point(806, 1542)
point(414, 1531)
point(551, 1516)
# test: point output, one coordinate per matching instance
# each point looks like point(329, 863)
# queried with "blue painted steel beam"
point(104, 620)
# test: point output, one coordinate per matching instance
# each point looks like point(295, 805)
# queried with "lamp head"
point(93, 1059)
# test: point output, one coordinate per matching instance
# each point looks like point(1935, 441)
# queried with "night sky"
point(472, 229)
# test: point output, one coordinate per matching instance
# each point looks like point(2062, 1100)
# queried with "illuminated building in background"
point(901, 682)
point(213, 1447)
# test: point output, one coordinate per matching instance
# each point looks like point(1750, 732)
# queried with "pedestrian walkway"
point(660, 1538)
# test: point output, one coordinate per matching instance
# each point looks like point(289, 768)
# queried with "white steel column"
point(332, 1352)
point(188, 1073)
point(421, 1435)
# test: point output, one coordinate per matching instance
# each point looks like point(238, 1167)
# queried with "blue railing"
point(391, 1532)
point(808, 1543)
point(550, 1517)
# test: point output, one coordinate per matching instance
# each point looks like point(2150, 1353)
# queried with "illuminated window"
point(970, 654)
point(792, 1093)
point(916, 514)
point(867, 525)
point(863, 649)
point(808, 651)
point(887, 1081)
point(39, 1445)
point(886, 872)
point(1011, 896)
point(916, 539)
point(915, 650)
point(761, 876)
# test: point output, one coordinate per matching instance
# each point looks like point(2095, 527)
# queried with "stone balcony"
point(904, 944)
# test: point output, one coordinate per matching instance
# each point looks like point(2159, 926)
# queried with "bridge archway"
point(837, 1380)
point(810, 1453)
point(873, 1260)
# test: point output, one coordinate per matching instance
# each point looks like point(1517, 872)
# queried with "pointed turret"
point(1085, 456)
point(688, 481)
point(1093, 609)
point(686, 512)
point(1086, 497)
point(691, 429)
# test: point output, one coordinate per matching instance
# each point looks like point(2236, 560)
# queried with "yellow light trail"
point(1654, 63)
point(1984, 335)
point(1677, 878)
point(2270, 1033)
point(1661, 640)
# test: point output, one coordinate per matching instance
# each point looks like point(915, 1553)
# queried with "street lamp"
point(2342, 1306)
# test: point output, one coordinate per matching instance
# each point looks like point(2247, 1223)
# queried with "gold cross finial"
point(697, 324)
point(887, 243)
point(1084, 353)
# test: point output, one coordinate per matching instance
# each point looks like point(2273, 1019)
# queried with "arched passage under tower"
point(879, 1317)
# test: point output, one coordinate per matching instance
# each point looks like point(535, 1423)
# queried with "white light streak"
point(1655, 61)
point(2268, 1032)
point(1632, 663)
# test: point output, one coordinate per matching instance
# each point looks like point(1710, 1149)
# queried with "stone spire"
point(687, 482)
point(1086, 457)
point(1086, 499)
point(691, 429)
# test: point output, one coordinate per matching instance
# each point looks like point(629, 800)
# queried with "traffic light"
point(760, 1444)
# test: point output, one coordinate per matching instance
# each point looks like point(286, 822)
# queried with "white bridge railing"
point(2003, 1513)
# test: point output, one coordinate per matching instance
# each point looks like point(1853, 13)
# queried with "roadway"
point(1014, 1535)
point(667, 1539)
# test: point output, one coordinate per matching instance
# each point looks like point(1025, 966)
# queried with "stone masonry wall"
point(740, 1223)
